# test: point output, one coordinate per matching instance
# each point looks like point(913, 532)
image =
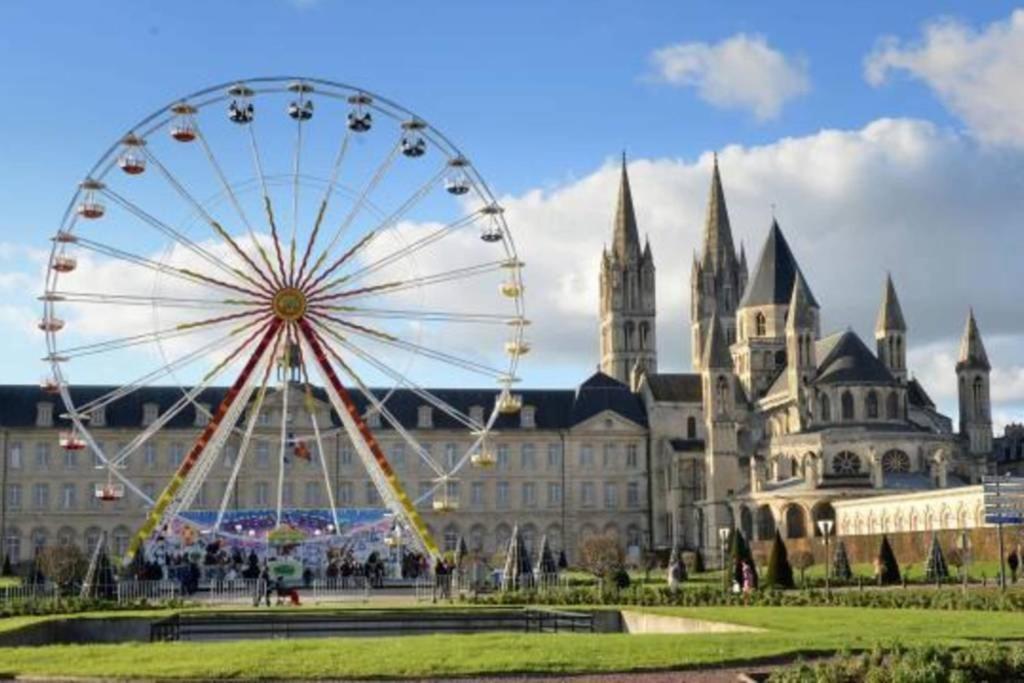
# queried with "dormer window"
point(44, 414)
point(372, 418)
point(150, 412)
point(527, 417)
point(760, 325)
point(202, 414)
point(425, 417)
point(476, 413)
point(98, 417)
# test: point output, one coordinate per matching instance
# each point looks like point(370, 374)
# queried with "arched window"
point(722, 391)
point(768, 362)
point(691, 427)
point(628, 330)
point(895, 462)
point(892, 406)
point(760, 325)
point(897, 361)
point(747, 523)
point(871, 405)
point(979, 397)
point(847, 405)
point(825, 407)
point(796, 522)
point(765, 523)
point(846, 462)
point(644, 330)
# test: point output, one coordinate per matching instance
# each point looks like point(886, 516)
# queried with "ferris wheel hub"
point(289, 303)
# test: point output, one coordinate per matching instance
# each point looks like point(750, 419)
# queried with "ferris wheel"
point(283, 237)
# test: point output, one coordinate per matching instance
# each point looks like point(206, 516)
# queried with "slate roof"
point(776, 270)
point(626, 238)
point(972, 349)
point(676, 388)
point(918, 396)
point(553, 408)
point(844, 359)
point(716, 349)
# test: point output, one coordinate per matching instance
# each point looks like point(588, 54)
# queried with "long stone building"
point(775, 424)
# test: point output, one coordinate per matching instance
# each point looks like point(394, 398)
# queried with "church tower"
point(972, 373)
point(891, 333)
point(628, 341)
point(801, 325)
point(717, 279)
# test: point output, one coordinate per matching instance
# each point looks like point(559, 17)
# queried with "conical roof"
point(972, 349)
point(890, 315)
point(846, 360)
point(800, 314)
point(776, 270)
point(719, 251)
point(626, 238)
point(716, 347)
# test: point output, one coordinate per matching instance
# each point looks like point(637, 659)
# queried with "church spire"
point(719, 251)
point(972, 350)
point(626, 240)
point(890, 315)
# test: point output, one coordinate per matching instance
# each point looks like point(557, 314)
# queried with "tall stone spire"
point(890, 315)
point(626, 238)
point(972, 349)
point(891, 333)
point(719, 252)
point(972, 372)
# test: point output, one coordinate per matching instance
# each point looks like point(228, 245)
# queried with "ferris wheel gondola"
point(356, 264)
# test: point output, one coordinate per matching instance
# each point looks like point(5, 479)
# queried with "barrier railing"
point(28, 592)
point(150, 591)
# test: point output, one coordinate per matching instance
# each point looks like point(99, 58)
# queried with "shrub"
point(887, 570)
point(780, 573)
point(601, 555)
point(841, 563)
point(935, 565)
point(802, 561)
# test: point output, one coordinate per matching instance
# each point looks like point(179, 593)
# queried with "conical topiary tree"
point(935, 568)
point(698, 562)
point(676, 569)
point(563, 561)
point(887, 570)
point(780, 573)
point(546, 570)
point(739, 552)
point(841, 570)
point(518, 567)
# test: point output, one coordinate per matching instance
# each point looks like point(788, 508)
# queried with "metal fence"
point(28, 592)
point(150, 591)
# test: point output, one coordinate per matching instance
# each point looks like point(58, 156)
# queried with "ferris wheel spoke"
point(251, 422)
point(163, 371)
point(219, 172)
point(402, 344)
point(324, 202)
point(215, 225)
point(404, 381)
point(382, 226)
point(311, 411)
point(364, 195)
point(268, 207)
point(166, 498)
point(403, 253)
point(180, 238)
point(166, 333)
point(136, 300)
point(421, 315)
point(296, 173)
point(411, 283)
point(186, 274)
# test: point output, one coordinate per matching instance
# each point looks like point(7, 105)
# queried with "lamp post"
point(825, 527)
point(723, 537)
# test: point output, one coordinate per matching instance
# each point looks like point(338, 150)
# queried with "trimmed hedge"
point(25, 608)
point(932, 664)
point(986, 600)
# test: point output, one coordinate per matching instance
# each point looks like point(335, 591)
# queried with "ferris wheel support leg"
point(366, 445)
point(167, 497)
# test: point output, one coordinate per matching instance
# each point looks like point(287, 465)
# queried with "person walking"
point(263, 587)
point(748, 582)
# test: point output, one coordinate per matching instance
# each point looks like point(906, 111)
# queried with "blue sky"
point(545, 95)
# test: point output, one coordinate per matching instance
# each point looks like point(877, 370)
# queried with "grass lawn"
point(788, 631)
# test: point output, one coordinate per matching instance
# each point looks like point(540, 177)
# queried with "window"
point(44, 415)
point(892, 406)
point(200, 500)
point(871, 405)
point(345, 493)
point(476, 414)
point(41, 496)
point(425, 417)
point(452, 491)
point(42, 456)
point(895, 462)
point(528, 457)
point(202, 414)
point(529, 494)
point(150, 412)
point(978, 389)
point(587, 494)
point(98, 417)
point(71, 459)
point(13, 546)
point(825, 408)
point(345, 454)
point(502, 494)
point(96, 460)
point(94, 502)
point(760, 325)
point(373, 419)
point(554, 494)
point(610, 456)
point(527, 417)
point(503, 457)
point(38, 541)
point(633, 494)
point(149, 454)
point(691, 427)
point(149, 489)
point(177, 453)
point(397, 454)
point(426, 494)
point(14, 455)
point(586, 456)
point(846, 462)
point(262, 454)
point(120, 538)
point(372, 498)
point(476, 493)
point(68, 496)
point(554, 456)
point(611, 495)
point(451, 454)
point(14, 496)
point(847, 404)
point(230, 453)
point(264, 418)
point(262, 493)
point(632, 458)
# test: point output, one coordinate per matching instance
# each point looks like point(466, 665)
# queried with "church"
point(779, 422)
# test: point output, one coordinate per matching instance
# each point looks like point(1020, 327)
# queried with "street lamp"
point(723, 537)
point(825, 527)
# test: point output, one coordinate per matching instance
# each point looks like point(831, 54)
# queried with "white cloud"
point(739, 72)
point(979, 75)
